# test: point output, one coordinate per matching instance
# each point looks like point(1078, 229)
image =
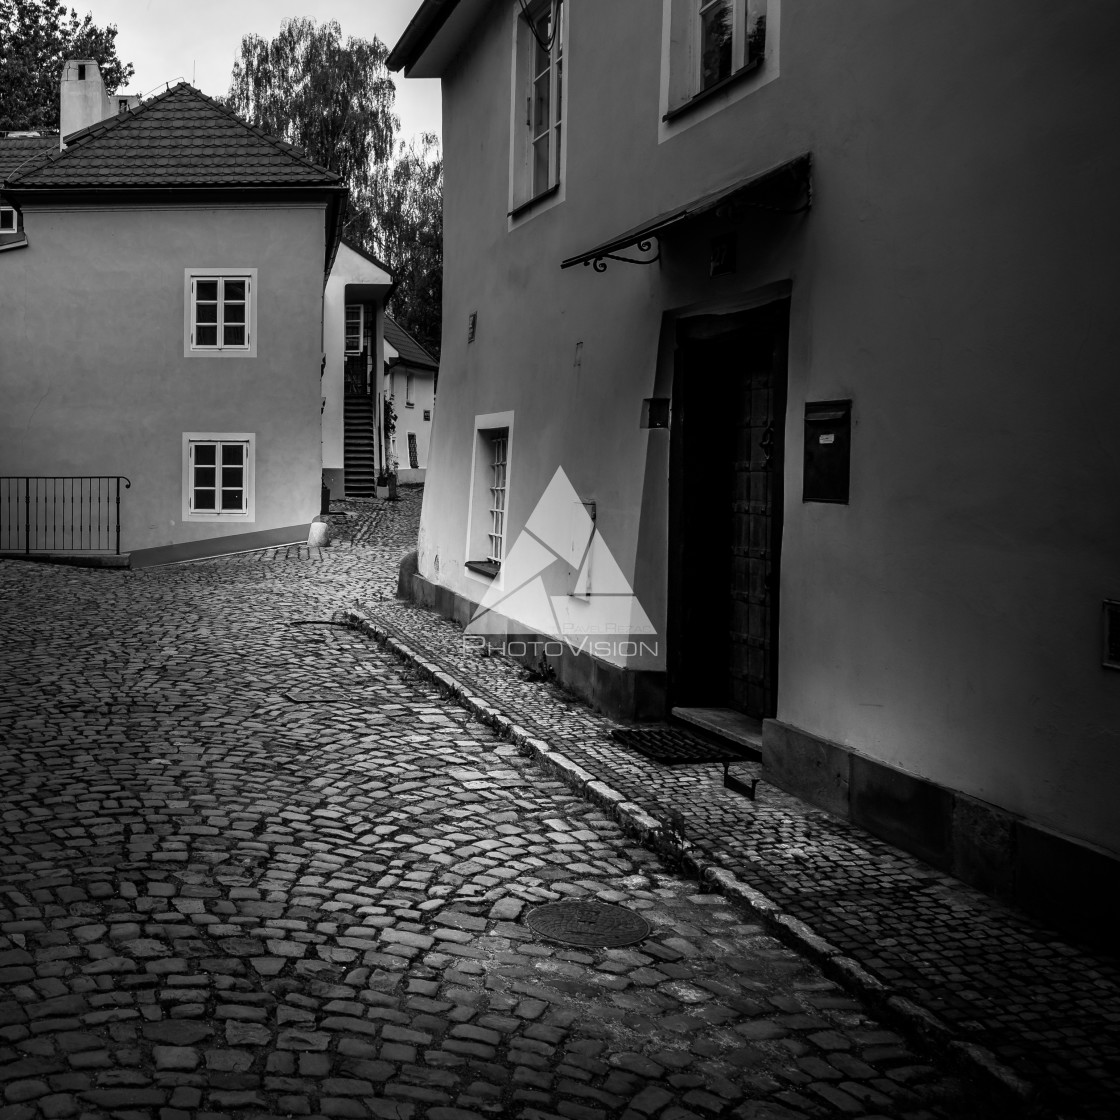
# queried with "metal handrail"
point(67, 512)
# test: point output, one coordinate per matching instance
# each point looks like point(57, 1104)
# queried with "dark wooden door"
point(726, 511)
point(756, 481)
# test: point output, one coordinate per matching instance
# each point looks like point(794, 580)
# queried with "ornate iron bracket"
point(643, 246)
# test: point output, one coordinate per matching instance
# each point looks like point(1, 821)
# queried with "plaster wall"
point(954, 278)
point(411, 419)
point(92, 368)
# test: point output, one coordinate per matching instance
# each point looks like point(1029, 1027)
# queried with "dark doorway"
point(725, 510)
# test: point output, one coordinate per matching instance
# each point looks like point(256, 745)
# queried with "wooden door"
point(756, 484)
point(726, 511)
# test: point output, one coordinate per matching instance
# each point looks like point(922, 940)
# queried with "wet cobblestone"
point(251, 865)
point(1048, 1008)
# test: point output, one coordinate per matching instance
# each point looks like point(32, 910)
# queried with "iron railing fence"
point(61, 513)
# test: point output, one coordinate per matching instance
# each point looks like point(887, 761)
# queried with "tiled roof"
point(15, 151)
point(409, 350)
point(182, 138)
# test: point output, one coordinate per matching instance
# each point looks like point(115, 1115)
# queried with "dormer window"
point(9, 222)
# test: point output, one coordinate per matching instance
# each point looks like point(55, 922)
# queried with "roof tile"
point(409, 350)
point(15, 151)
point(182, 138)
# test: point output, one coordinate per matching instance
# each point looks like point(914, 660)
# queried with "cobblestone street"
point(253, 865)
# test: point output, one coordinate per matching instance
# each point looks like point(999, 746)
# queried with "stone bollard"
point(319, 534)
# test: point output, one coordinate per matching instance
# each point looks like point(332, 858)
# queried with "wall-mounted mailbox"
point(828, 442)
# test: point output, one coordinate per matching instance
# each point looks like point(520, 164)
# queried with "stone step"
point(725, 723)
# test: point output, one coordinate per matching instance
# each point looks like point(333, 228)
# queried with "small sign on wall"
point(655, 412)
point(828, 440)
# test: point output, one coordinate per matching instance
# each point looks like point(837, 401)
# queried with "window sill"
point(525, 207)
point(712, 90)
point(13, 240)
point(485, 568)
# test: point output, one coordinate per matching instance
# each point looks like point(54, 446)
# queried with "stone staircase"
point(359, 451)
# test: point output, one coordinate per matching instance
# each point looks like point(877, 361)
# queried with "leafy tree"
point(36, 38)
point(332, 99)
point(401, 222)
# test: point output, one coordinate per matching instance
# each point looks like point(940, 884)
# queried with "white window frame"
point(682, 98)
point(498, 440)
point(410, 390)
point(526, 198)
point(220, 350)
point(360, 308)
point(13, 227)
point(248, 440)
point(483, 507)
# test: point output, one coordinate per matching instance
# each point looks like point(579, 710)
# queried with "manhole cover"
point(594, 925)
point(673, 747)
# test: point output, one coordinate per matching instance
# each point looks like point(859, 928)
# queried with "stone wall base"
point(1072, 885)
point(219, 546)
point(620, 693)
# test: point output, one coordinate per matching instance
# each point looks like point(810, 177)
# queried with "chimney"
point(82, 98)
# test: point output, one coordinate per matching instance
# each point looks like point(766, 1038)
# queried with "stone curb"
point(653, 834)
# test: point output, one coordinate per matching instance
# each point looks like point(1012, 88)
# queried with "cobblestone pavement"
point(254, 866)
point(1047, 1007)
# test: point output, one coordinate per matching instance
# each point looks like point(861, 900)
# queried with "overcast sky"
point(199, 39)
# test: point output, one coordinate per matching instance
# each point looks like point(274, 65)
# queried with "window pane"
point(233, 335)
point(233, 453)
point(205, 454)
point(235, 289)
point(206, 313)
point(235, 313)
point(756, 31)
point(541, 90)
point(7, 220)
point(206, 336)
point(233, 478)
point(540, 163)
point(233, 499)
point(540, 55)
point(205, 476)
point(715, 42)
point(206, 289)
point(203, 500)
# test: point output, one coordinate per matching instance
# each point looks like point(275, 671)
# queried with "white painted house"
point(410, 381)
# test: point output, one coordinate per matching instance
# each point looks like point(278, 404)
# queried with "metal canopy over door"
point(726, 510)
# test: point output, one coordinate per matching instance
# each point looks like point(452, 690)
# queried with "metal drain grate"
point(673, 747)
point(592, 925)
